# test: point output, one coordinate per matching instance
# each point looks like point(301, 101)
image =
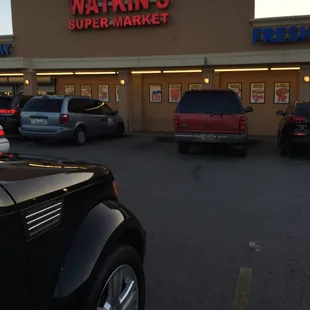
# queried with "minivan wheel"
point(184, 147)
point(79, 136)
point(119, 282)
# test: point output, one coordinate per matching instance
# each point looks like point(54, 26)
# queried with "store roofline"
point(170, 61)
point(6, 38)
point(280, 21)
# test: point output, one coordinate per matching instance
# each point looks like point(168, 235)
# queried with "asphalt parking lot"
point(201, 211)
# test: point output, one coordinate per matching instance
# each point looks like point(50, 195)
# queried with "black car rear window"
point(5, 102)
point(210, 102)
point(23, 102)
point(43, 105)
point(303, 109)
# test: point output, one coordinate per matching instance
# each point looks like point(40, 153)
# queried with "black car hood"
point(26, 177)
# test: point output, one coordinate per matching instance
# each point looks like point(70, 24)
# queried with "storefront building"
point(141, 55)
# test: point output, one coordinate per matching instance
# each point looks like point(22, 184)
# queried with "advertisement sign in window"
point(257, 93)
point(282, 92)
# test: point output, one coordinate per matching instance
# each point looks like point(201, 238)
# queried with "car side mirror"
point(280, 113)
point(248, 110)
point(115, 112)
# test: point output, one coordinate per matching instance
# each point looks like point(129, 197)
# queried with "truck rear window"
point(5, 102)
point(43, 105)
point(210, 102)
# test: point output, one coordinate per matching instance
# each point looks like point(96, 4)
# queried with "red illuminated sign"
point(87, 11)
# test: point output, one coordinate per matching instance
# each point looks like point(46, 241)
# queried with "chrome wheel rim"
point(81, 137)
point(121, 291)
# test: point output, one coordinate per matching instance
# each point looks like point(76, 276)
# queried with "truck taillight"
point(64, 118)
point(242, 123)
point(176, 122)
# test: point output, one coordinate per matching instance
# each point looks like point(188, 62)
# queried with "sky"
point(263, 8)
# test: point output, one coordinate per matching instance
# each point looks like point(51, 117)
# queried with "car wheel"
point(119, 284)
point(79, 136)
point(184, 147)
point(120, 129)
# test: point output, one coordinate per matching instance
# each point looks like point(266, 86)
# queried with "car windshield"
point(44, 105)
point(303, 109)
point(5, 102)
point(210, 102)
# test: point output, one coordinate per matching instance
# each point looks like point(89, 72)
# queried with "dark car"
point(66, 241)
point(10, 109)
point(294, 128)
point(211, 116)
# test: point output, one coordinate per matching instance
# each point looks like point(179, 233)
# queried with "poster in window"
point(117, 93)
point(282, 92)
point(195, 86)
point(103, 93)
point(155, 93)
point(236, 87)
point(69, 90)
point(257, 93)
point(86, 90)
point(175, 92)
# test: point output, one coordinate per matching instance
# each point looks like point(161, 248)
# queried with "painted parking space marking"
point(243, 289)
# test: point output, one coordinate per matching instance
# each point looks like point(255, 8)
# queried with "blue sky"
point(263, 8)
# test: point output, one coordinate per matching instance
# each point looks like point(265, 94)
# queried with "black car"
point(66, 241)
point(10, 108)
point(294, 128)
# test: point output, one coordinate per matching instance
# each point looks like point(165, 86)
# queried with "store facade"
point(140, 56)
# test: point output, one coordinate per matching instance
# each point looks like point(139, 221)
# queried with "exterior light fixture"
point(27, 82)
point(122, 82)
point(206, 80)
point(306, 79)
point(145, 72)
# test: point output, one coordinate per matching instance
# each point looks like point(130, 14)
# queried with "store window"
point(6, 90)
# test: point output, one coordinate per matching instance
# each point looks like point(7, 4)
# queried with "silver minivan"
point(69, 117)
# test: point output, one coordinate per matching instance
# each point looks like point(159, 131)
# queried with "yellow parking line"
point(243, 289)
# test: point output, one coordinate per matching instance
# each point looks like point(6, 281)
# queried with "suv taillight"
point(9, 111)
point(242, 123)
point(176, 122)
point(64, 118)
point(297, 119)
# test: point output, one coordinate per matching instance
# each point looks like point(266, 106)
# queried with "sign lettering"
point(281, 34)
point(5, 49)
point(85, 12)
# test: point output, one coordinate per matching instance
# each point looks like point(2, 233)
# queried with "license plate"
point(38, 121)
point(206, 137)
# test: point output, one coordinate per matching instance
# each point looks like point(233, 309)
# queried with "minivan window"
point(77, 105)
point(51, 105)
point(5, 102)
point(303, 109)
point(210, 102)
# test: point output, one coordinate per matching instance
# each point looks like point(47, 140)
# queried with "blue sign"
point(5, 49)
point(281, 34)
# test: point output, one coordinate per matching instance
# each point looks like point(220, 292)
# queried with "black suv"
point(294, 128)
point(66, 241)
point(10, 108)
